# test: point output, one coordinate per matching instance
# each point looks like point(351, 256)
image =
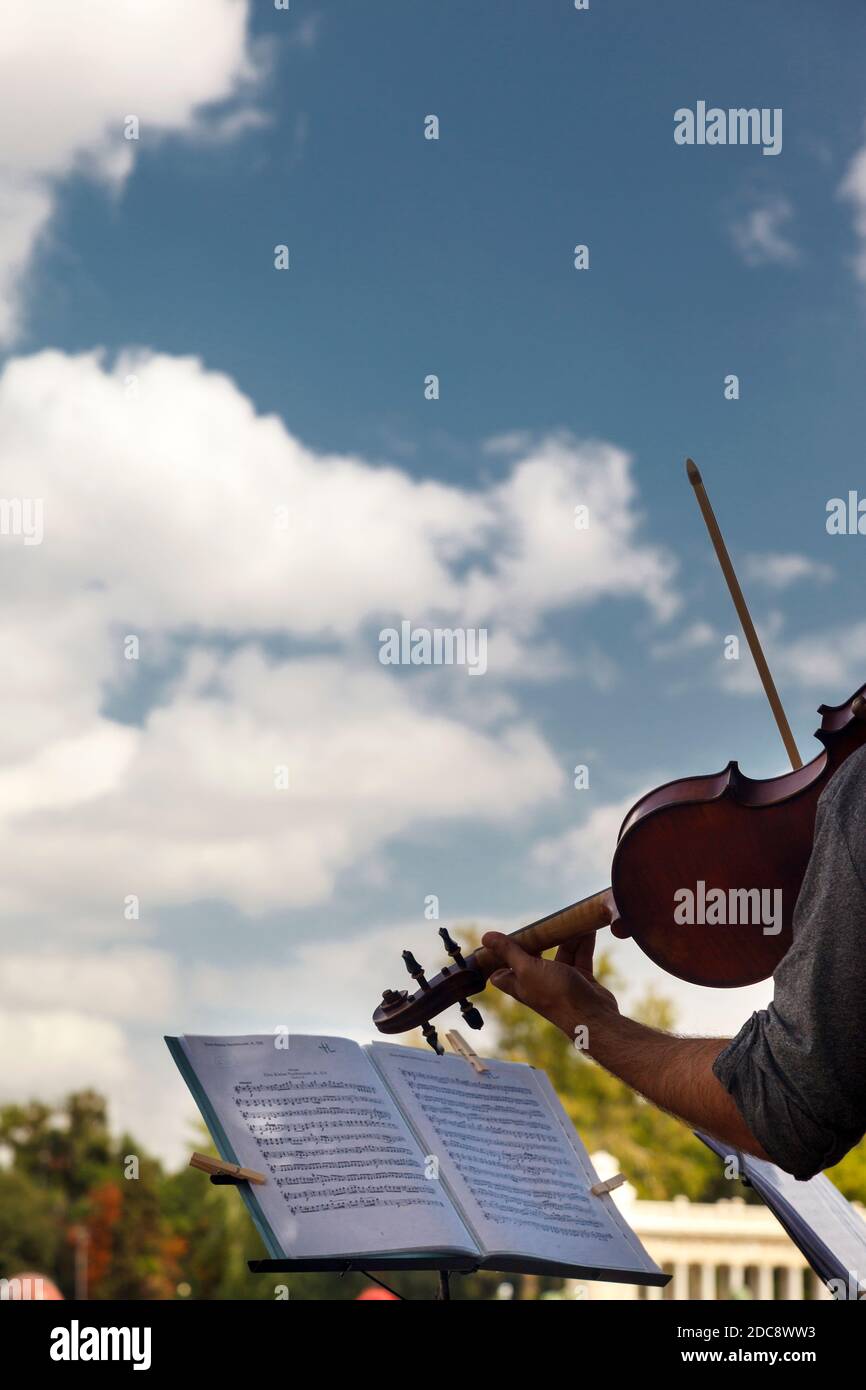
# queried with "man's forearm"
point(674, 1073)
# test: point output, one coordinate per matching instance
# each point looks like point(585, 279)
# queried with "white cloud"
point(510, 443)
point(584, 852)
point(853, 188)
point(322, 981)
point(543, 562)
point(68, 80)
point(829, 662)
point(126, 983)
point(694, 637)
point(780, 571)
point(25, 207)
point(61, 1050)
point(760, 234)
point(192, 812)
point(180, 468)
point(160, 487)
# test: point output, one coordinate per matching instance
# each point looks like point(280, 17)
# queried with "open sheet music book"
point(383, 1152)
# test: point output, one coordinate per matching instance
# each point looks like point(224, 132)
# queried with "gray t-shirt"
point(797, 1069)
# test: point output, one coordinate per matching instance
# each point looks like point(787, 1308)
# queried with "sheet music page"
point(345, 1175)
point(503, 1150)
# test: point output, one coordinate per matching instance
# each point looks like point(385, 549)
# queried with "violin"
point(730, 837)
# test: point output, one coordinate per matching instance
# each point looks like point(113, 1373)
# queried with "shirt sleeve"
point(797, 1069)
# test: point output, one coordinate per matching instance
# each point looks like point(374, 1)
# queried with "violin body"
point(723, 835)
point(732, 833)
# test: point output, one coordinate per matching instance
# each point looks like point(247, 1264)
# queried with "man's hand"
point(564, 990)
point(675, 1073)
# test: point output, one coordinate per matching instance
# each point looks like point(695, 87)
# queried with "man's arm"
point(674, 1073)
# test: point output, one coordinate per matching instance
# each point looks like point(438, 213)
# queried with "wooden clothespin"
point(598, 1189)
point(218, 1167)
point(462, 1048)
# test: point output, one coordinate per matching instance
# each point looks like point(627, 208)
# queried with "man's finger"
point(585, 952)
point(578, 951)
point(508, 952)
point(506, 981)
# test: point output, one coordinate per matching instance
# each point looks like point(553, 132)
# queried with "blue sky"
point(249, 386)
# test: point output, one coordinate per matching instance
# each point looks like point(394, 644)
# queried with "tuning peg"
point(451, 947)
point(390, 997)
point(432, 1038)
point(471, 1016)
point(415, 970)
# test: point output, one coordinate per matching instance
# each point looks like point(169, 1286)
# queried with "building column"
point(708, 1282)
point(793, 1283)
point(680, 1289)
point(736, 1279)
point(765, 1283)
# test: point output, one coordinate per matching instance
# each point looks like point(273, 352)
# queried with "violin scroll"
point(399, 1011)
